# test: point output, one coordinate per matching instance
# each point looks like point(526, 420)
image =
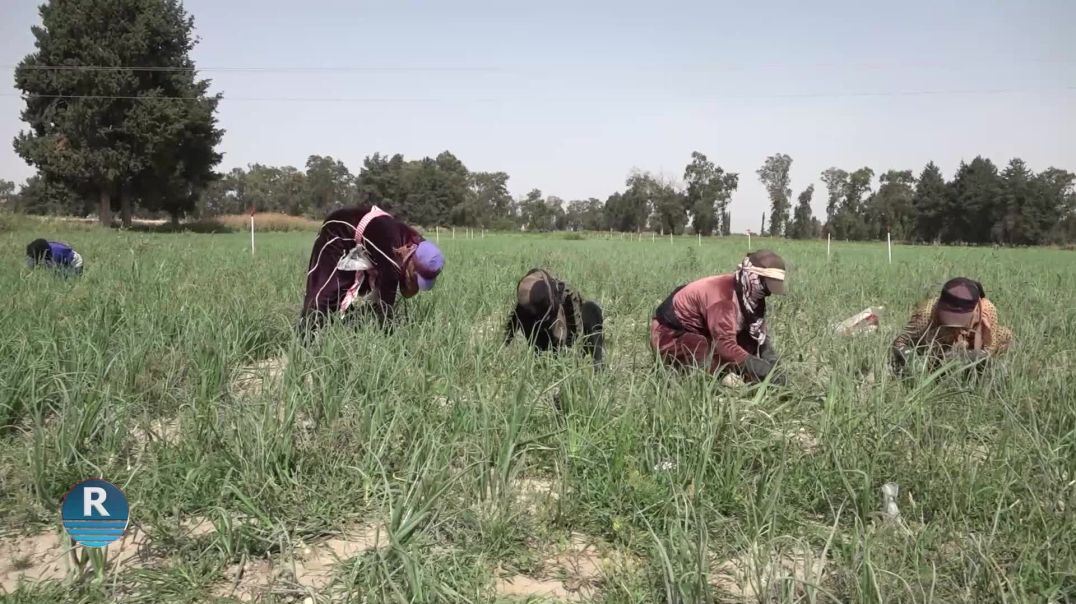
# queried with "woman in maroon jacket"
point(717, 322)
point(364, 254)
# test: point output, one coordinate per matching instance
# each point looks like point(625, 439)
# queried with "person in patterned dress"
point(961, 323)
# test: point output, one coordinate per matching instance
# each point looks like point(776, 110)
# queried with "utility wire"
point(108, 68)
point(495, 68)
point(703, 99)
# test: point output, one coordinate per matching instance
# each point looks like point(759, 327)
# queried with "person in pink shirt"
point(719, 322)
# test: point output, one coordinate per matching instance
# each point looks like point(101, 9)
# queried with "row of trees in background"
point(442, 191)
point(980, 204)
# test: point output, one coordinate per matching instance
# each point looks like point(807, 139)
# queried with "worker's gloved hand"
point(767, 352)
point(757, 368)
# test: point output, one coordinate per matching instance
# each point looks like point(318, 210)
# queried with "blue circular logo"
point(95, 513)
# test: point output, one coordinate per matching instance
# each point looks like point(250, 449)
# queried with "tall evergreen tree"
point(124, 119)
point(930, 204)
point(974, 202)
point(1023, 218)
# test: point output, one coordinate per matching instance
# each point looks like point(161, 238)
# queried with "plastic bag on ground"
point(865, 321)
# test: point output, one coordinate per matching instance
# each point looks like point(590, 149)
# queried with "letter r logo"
point(92, 498)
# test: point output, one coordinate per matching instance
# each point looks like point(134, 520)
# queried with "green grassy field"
point(447, 448)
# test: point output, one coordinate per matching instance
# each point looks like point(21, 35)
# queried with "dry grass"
point(269, 221)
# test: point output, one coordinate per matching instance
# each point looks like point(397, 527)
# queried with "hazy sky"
point(568, 97)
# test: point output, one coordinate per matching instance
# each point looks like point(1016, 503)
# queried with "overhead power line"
point(524, 68)
point(702, 99)
point(360, 68)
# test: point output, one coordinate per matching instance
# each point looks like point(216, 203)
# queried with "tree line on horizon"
point(980, 204)
point(108, 136)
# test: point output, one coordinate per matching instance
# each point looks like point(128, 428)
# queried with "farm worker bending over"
point(363, 254)
point(720, 321)
point(555, 316)
point(960, 323)
point(55, 255)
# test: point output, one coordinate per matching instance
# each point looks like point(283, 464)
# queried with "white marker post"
point(889, 244)
point(748, 240)
point(453, 232)
point(653, 237)
point(670, 238)
point(700, 239)
point(252, 232)
point(829, 239)
point(437, 231)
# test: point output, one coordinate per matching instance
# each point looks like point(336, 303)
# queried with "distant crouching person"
point(54, 255)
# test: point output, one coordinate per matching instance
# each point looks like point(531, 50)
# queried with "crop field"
point(434, 465)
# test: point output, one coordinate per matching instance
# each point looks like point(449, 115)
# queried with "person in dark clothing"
point(719, 322)
point(363, 256)
point(54, 255)
point(553, 316)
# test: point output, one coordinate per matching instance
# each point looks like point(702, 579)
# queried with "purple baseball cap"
point(428, 264)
